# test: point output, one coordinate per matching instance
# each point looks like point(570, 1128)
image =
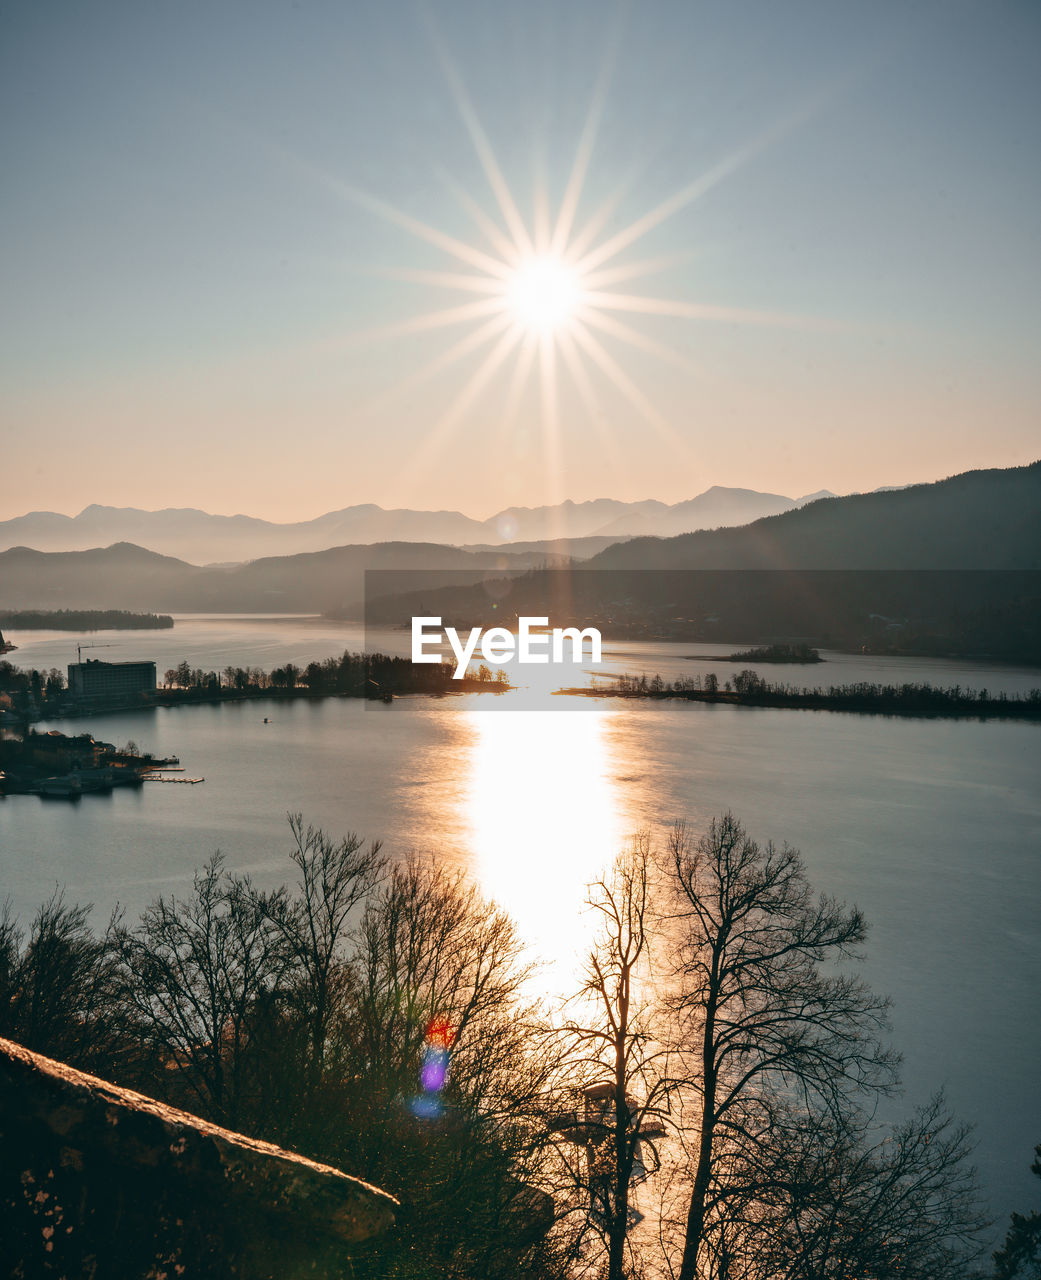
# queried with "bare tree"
point(836, 1197)
point(446, 1064)
point(10, 950)
point(429, 948)
point(335, 878)
point(622, 1094)
point(196, 972)
point(761, 1019)
point(59, 993)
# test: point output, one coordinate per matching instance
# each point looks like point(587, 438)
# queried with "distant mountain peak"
point(200, 537)
point(716, 489)
point(96, 508)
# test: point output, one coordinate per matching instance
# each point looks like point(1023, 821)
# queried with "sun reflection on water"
point(544, 822)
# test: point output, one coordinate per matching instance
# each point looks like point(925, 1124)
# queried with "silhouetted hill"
point(333, 581)
point(122, 576)
point(947, 568)
point(128, 577)
point(976, 520)
point(546, 548)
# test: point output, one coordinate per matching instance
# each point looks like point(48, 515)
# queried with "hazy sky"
point(207, 300)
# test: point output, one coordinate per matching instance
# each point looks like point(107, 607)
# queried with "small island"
point(84, 620)
point(778, 653)
point(781, 653)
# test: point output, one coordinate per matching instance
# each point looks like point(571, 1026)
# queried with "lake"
point(932, 826)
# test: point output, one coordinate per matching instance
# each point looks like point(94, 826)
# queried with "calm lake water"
point(932, 827)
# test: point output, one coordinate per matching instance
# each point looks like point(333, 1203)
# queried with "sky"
point(284, 258)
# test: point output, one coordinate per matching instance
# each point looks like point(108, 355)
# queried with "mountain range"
point(330, 581)
point(978, 520)
point(199, 537)
point(947, 568)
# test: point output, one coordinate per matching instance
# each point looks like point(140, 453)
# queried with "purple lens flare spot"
point(434, 1071)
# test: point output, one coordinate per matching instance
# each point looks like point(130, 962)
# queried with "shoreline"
point(857, 704)
point(191, 698)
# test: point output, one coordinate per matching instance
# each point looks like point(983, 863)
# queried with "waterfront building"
point(55, 753)
point(95, 681)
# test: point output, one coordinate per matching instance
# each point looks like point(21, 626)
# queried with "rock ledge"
point(97, 1180)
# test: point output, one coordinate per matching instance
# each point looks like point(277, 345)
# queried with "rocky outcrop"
point(100, 1181)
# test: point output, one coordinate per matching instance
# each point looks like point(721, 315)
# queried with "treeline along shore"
point(28, 695)
point(748, 689)
point(354, 675)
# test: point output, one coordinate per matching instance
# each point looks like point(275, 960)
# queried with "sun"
point(544, 294)
point(543, 298)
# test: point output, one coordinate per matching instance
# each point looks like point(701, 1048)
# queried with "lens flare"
point(434, 1068)
point(440, 1033)
point(434, 1072)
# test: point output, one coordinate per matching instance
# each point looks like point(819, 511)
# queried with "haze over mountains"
point(978, 520)
point(201, 538)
